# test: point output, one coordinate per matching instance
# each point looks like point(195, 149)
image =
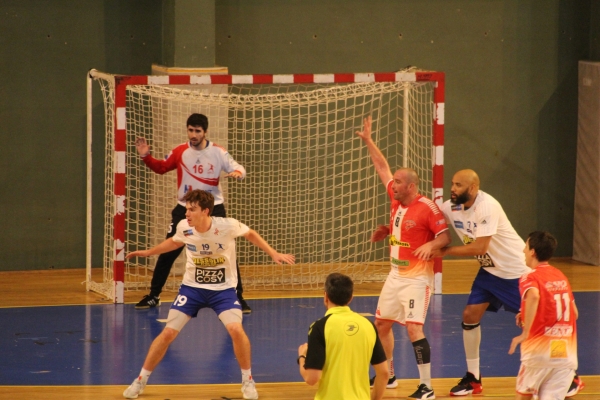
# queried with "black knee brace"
point(468, 327)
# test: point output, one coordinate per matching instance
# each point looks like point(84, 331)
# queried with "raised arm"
point(381, 165)
point(253, 237)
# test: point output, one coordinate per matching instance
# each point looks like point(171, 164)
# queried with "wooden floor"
point(66, 287)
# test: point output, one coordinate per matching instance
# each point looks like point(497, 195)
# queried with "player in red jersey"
point(417, 228)
point(548, 314)
point(199, 163)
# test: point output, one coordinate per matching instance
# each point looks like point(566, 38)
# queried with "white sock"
point(246, 374)
point(391, 366)
point(145, 374)
point(425, 374)
point(473, 367)
point(471, 341)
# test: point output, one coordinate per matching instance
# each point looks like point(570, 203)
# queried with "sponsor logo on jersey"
point(396, 242)
point(210, 276)
point(187, 188)
point(410, 315)
point(458, 225)
point(220, 247)
point(212, 168)
point(556, 286)
point(467, 239)
point(207, 261)
point(188, 232)
point(483, 222)
point(558, 349)
point(350, 328)
point(485, 261)
point(401, 263)
point(456, 207)
point(191, 247)
point(558, 330)
point(197, 161)
point(409, 224)
point(440, 221)
point(216, 232)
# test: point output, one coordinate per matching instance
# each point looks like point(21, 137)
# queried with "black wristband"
point(299, 357)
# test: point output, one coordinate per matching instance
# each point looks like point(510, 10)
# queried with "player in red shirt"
point(417, 228)
point(548, 314)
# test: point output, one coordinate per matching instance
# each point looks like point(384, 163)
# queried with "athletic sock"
point(246, 374)
point(145, 374)
point(423, 356)
point(425, 374)
point(472, 340)
point(391, 366)
point(473, 367)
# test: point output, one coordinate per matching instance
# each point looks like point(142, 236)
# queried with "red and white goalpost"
point(311, 189)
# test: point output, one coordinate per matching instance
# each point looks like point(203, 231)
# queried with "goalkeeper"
point(199, 163)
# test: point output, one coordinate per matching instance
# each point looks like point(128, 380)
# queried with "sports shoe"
point(249, 389)
point(148, 302)
point(468, 384)
point(576, 386)
point(245, 307)
point(423, 392)
point(136, 388)
point(392, 383)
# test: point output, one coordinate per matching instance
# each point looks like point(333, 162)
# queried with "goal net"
point(311, 189)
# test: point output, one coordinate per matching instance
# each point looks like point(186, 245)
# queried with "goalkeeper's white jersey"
point(196, 169)
point(211, 261)
point(504, 257)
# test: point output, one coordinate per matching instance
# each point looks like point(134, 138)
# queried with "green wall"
point(511, 100)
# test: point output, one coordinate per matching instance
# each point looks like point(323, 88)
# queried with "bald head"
point(468, 177)
point(405, 185)
point(410, 175)
point(465, 186)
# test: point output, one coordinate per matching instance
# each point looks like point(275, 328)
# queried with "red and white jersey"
point(410, 228)
point(486, 217)
point(552, 341)
point(210, 256)
point(196, 169)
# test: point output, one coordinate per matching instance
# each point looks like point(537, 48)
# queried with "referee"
point(340, 347)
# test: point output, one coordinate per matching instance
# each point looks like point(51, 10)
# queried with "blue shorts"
point(488, 288)
point(190, 300)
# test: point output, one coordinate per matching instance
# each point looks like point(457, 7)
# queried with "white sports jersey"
point(211, 262)
point(196, 169)
point(486, 217)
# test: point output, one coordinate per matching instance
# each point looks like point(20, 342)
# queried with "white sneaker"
point(249, 390)
point(135, 389)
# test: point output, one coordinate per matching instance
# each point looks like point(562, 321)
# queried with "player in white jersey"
point(199, 163)
point(548, 315)
point(209, 282)
point(487, 234)
point(417, 228)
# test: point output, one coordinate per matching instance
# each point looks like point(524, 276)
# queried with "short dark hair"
point(339, 288)
point(543, 243)
point(198, 120)
point(201, 197)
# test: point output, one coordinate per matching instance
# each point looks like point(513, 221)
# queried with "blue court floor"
point(107, 344)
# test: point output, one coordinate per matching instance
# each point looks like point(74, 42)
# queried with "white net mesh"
point(310, 190)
